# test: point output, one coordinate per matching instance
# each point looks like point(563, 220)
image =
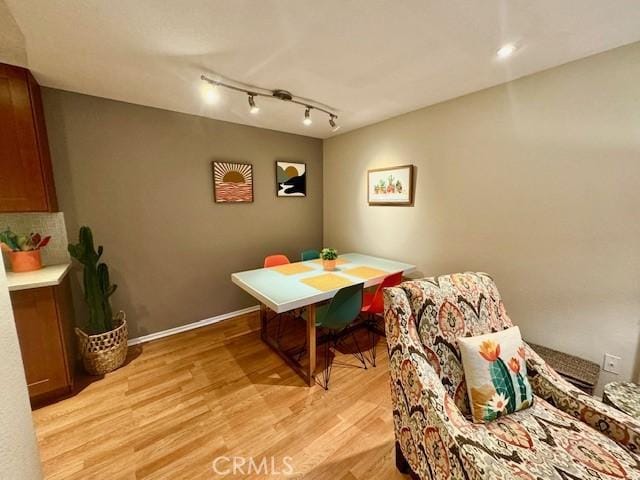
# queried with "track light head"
point(307, 117)
point(253, 108)
point(332, 121)
point(210, 93)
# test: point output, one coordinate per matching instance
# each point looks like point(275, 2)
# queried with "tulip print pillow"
point(496, 374)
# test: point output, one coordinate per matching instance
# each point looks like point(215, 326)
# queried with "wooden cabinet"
point(26, 178)
point(44, 322)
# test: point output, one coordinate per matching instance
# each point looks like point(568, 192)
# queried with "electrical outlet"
point(611, 363)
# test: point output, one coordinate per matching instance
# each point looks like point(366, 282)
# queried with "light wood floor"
point(219, 391)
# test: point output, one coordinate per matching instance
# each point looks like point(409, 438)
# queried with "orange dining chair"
point(373, 304)
point(275, 260)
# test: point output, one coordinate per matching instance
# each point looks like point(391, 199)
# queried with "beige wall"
point(141, 178)
point(12, 44)
point(19, 458)
point(536, 181)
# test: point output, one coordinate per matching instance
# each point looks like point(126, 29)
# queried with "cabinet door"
point(25, 181)
point(40, 339)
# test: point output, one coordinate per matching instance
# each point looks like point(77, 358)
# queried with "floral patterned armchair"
point(565, 435)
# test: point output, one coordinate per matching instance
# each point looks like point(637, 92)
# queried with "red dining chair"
point(275, 260)
point(373, 304)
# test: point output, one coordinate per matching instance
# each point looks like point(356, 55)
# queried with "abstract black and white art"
point(291, 179)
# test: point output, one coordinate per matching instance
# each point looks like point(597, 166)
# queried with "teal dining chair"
point(309, 255)
point(335, 317)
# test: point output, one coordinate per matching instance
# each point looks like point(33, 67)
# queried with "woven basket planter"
point(105, 352)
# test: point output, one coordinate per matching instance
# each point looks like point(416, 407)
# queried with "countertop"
point(47, 276)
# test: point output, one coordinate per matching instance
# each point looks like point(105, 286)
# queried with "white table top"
point(47, 276)
point(285, 292)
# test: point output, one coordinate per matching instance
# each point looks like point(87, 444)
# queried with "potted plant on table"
point(23, 250)
point(103, 338)
point(329, 256)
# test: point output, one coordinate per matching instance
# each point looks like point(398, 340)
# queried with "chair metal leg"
point(374, 339)
point(334, 339)
point(359, 355)
point(326, 372)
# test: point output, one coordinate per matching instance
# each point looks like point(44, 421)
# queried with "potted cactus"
point(103, 338)
point(329, 257)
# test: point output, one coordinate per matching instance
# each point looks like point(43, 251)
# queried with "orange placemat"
point(327, 281)
point(366, 272)
point(339, 261)
point(292, 268)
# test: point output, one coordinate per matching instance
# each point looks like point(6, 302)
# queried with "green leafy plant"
point(328, 254)
point(97, 287)
point(12, 242)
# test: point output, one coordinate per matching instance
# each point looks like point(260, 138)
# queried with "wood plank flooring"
point(219, 391)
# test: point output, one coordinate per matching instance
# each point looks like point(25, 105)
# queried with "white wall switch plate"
point(611, 363)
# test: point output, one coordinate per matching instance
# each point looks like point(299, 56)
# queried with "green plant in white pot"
point(103, 337)
point(329, 257)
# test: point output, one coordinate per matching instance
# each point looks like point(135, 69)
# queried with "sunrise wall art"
point(232, 182)
point(291, 179)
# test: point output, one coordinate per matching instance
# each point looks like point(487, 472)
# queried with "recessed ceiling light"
point(506, 50)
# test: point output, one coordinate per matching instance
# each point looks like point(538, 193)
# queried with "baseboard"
point(191, 326)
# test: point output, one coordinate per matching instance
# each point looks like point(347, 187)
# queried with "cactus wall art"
point(390, 186)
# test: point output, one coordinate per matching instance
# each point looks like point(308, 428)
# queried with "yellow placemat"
point(292, 268)
point(339, 261)
point(365, 272)
point(327, 281)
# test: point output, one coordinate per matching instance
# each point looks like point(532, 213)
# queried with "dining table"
point(303, 285)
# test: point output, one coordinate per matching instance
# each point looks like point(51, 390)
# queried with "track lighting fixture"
point(253, 108)
point(334, 126)
point(307, 119)
point(211, 95)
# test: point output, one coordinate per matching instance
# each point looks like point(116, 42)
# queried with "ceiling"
point(367, 59)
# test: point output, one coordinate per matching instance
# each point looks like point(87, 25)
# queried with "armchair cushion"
point(495, 374)
point(548, 384)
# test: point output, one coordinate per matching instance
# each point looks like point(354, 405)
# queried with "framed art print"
point(390, 186)
point(232, 182)
point(291, 179)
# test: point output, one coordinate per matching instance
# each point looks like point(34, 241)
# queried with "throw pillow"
point(496, 374)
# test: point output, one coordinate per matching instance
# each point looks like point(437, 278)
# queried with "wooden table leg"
point(263, 321)
point(306, 373)
point(311, 342)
